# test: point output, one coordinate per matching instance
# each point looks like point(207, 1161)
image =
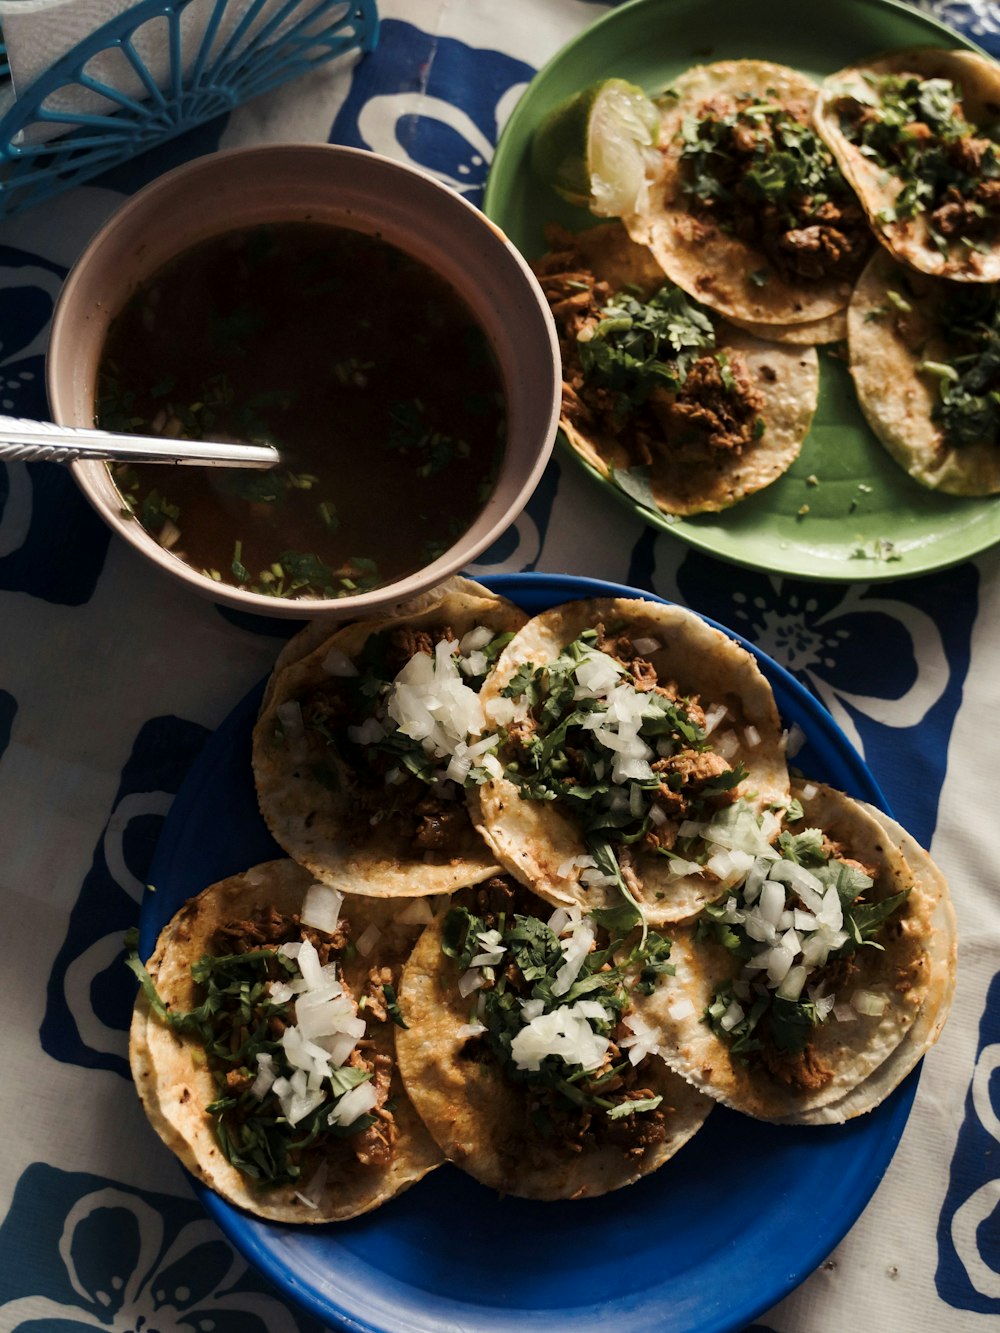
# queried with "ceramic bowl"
point(344, 187)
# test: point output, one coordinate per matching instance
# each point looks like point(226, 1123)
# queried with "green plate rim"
point(951, 547)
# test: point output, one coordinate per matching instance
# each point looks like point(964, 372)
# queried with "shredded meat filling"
point(716, 409)
point(799, 1069)
point(373, 1146)
point(807, 238)
point(427, 823)
point(714, 412)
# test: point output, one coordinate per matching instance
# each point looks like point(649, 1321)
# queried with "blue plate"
point(720, 1233)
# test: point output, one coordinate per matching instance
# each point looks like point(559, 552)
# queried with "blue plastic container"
point(45, 149)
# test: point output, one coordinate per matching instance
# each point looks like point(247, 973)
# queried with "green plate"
point(862, 501)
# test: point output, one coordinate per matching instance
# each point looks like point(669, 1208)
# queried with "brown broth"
point(367, 371)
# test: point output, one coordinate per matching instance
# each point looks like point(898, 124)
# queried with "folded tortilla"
point(175, 1084)
point(853, 1059)
point(732, 274)
point(879, 184)
point(893, 328)
point(540, 841)
point(486, 1123)
point(310, 781)
point(640, 441)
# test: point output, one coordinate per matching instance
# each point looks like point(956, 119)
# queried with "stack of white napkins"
point(39, 32)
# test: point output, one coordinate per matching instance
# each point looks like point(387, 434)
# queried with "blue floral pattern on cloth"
point(446, 104)
point(968, 1272)
point(853, 647)
point(77, 1252)
point(52, 544)
point(978, 19)
point(90, 991)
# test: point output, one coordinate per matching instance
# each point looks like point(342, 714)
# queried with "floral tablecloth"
point(112, 678)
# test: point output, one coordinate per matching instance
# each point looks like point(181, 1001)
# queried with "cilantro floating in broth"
point(279, 335)
point(411, 435)
point(156, 511)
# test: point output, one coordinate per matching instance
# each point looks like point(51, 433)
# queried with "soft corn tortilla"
point(870, 1055)
point(316, 632)
point(886, 347)
point(817, 333)
point(536, 841)
point(786, 376)
point(311, 822)
point(482, 1120)
point(708, 263)
point(175, 1085)
point(878, 187)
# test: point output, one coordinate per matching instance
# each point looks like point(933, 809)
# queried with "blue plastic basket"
point(224, 68)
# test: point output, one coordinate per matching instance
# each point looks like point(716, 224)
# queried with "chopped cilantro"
point(235, 1022)
point(639, 346)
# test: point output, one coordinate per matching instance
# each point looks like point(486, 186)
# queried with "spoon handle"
point(43, 441)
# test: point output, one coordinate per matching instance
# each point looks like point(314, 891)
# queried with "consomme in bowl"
point(365, 369)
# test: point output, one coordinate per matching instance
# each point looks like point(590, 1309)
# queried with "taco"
point(639, 745)
point(812, 990)
point(749, 212)
point(360, 753)
point(523, 1053)
point(262, 1046)
point(925, 358)
point(658, 396)
point(915, 133)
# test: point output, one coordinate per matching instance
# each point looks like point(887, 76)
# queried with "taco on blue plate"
point(523, 1052)
point(262, 1046)
point(810, 990)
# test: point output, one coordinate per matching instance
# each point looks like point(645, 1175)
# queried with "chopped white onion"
point(416, 913)
point(336, 663)
point(470, 981)
point(470, 1030)
point(869, 1003)
point(575, 950)
point(355, 1103)
point(289, 715)
point(367, 940)
point(321, 908)
point(733, 1016)
point(791, 986)
point(264, 1081)
point(563, 1032)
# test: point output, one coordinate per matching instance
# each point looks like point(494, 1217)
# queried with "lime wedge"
point(597, 148)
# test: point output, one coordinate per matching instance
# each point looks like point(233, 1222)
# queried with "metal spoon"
point(43, 441)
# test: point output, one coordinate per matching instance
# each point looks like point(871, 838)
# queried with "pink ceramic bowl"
point(345, 187)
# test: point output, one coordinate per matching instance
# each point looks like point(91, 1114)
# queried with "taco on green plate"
point(916, 134)
point(262, 1046)
point(749, 212)
point(683, 413)
point(810, 990)
point(361, 753)
point(523, 1052)
point(925, 358)
point(638, 747)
